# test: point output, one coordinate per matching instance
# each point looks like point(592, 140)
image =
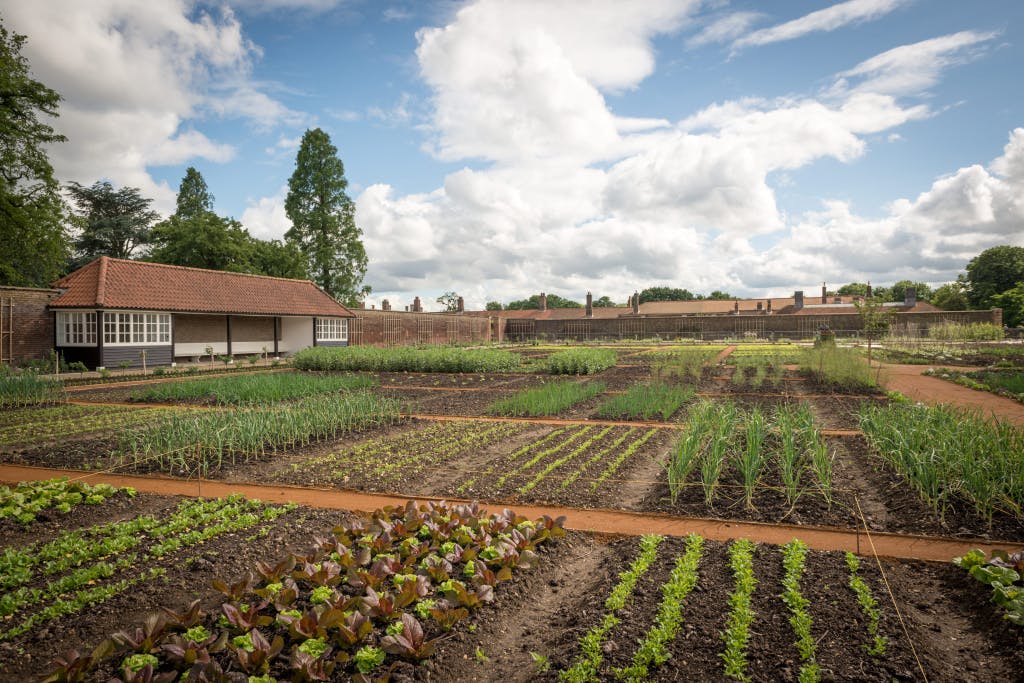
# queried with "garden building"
point(113, 312)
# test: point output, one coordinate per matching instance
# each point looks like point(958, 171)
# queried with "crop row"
point(61, 422)
point(23, 502)
point(646, 401)
point(406, 359)
point(386, 587)
point(201, 442)
point(681, 364)
point(262, 388)
point(389, 460)
point(582, 361)
point(950, 454)
point(27, 389)
point(45, 581)
point(545, 400)
point(756, 370)
point(720, 436)
point(560, 458)
point(653, 649)
point(837, 367)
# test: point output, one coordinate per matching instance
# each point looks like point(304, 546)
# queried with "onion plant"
point(751, 459)
point(406, 359)
point(645, 401)
point(549, 399)
point(250, 389)
point(27, 389)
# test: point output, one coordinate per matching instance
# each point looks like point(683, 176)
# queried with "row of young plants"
point(646, 401)
point(580, 361)
point(261, 388)
point(79, 568)
point(27, 499)
point(720, 437)
point(562, 456)
point(951, 455)
point(685, 364)
point(1008, 383)
point(21, 389)
point(202, 441)
point(381, 589)
point(653, 648)
point(1004, 573)
point(756, 370)
point(840, 368)
point(547, 399)
point(61, 422)
point(406, 359)
point(389, 460)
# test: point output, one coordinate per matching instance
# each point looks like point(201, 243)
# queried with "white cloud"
point(828, 19)
point(912, 69)
point(132, 76)
point(313, 6)
point(724, 29)
point(265, 218)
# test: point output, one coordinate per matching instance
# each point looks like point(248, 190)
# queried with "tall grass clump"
point(581, 361)
point(201, 442)
point(951, 454)
point(252, 389)
point(405, 359)
point(751, 459)
point(28, 389)
point(838, 367)
point(951, 331)
point(683, 364)
point(545, 400)
point(646, 401)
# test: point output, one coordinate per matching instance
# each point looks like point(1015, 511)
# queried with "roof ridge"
point(101, 281)
point(211, 270)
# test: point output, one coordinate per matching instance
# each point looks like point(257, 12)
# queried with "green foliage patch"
point(405, 359)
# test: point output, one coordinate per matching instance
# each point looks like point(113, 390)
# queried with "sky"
point(498, 149)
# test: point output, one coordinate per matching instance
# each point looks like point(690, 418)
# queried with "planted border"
point(580, 361)
point(741, 616)
point(646, 401)
point(794, 556)
point(406, 359)
point(253, 389)
point(549, 399)
point(868, 606)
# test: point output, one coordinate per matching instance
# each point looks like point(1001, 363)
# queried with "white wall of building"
point(296, 334)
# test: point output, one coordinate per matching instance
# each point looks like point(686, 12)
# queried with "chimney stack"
point(461, 305)
point(736, 307)
point(543, 301)
point(769, 305)
point(910, 296)
point(868, 293)
point(798, 299)
point(417, 305)
point(760, 306)
point(590, 305)
point(824, 294)
point(385, 305)
point(636, 303)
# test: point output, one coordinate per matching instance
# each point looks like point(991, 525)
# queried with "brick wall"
point(725, 326)
point(251, 328)
point(30, 324)
point(201, 328)
point(398, 328)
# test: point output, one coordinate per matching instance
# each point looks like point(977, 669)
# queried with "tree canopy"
point(993, 272)
point(114, 223)
point(951, 296)
point(323, 219)
point(194, 196)
point(1012, 303)
point(898, 291)
point(554, 301)
point(493, 306)
point(32, 213)
point(450, 301)
point(666, 294)
point(604, 302)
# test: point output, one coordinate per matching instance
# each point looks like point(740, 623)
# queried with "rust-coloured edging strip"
point(890, 545)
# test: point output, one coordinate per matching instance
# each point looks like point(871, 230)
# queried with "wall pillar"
point(277, 334)
point(228, 319)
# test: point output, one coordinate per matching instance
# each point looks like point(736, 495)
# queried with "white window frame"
point(131, 328)
point(332, 329)
point(76, 328)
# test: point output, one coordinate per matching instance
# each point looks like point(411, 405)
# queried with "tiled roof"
point(119, 284)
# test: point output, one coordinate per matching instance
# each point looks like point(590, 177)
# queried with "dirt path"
point(898, 546)
point(908, 380)
point(726, 352)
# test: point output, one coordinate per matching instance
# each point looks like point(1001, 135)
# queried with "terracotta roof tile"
point(138, 285)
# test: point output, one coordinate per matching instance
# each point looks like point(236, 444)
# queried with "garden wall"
point(398, 328)
point(26, 327)
point(729, 326)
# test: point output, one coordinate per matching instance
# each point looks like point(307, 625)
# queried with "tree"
point(114, 223)
point(493, 306)
point(278, 259)
point(1012, 303)
point(951, 296)
point(898, 292)
point(665, 294)
point(32, 213)
point(604, 302)
point(719, 296)
point(194, 197)
point(450, 301)
point(993, 272)
point(853, 289)
point(323, 219)
point(875, 319)
point(203, 241)
point(554, 301)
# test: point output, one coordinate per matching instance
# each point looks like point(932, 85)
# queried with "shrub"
point(581, 361)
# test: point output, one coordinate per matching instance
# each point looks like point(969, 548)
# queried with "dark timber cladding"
point(113, 356)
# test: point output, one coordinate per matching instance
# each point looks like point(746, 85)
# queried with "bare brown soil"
point(908, 380)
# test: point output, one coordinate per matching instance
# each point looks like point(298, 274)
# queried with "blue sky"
point(499, 149)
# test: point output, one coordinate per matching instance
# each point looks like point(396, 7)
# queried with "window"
point(76, 328)
point(331, 329)
point(136, 328)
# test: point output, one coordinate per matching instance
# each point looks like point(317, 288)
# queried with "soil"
point(908, 380)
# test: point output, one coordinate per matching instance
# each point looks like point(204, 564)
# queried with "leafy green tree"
point(32, 213)
point(194, 196)
point(1012, 303)
point(604, 302)
point(114, 223)
point(278, 259)
point(205, 240)
point(993, 272)
point(875, 319)
point(323, 219)
point(493, 306)
point(853, 289)
point(718, 296)
point(898, 291)
point(554, 301)
point(450, 301)
point(951, 296)
point(665, 294)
